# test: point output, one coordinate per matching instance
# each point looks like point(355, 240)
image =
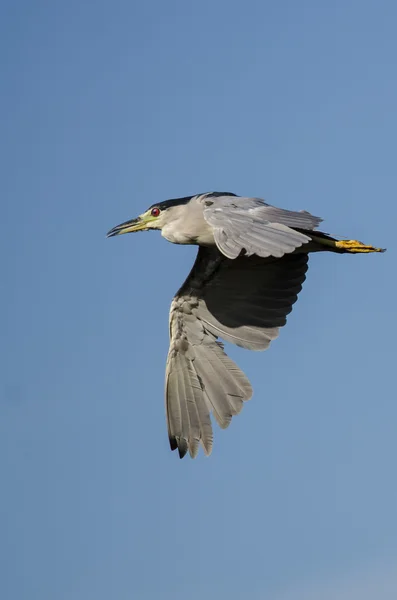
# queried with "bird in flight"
point(251, 263)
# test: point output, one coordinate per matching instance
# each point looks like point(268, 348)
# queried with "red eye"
point(155, 212)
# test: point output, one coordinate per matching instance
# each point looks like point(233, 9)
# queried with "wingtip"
point(182, 452)
point(173, 444)
point(178, 444)
point(183, 447)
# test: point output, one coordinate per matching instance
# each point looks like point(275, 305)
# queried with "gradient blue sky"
point(106, 108)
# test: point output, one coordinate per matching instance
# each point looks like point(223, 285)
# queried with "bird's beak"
point(138, 224)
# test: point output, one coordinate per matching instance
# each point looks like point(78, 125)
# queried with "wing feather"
point(249, 298)
point(244, 301)
point(251, 226)
point(188, 417)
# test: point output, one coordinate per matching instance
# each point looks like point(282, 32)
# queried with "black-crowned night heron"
point(251, 264)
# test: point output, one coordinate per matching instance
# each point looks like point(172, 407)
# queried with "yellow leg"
point(354, 246)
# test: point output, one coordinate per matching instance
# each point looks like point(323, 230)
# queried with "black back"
point(177, 201)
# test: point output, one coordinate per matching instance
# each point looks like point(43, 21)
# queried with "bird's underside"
point(251, 264)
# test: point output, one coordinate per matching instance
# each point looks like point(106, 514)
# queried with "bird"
point(250, 266)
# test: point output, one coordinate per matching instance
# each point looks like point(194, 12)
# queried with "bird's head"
point(157, 216)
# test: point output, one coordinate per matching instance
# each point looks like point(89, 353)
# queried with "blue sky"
point(108, 107)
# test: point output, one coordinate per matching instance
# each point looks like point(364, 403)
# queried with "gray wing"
point(251, 225)
point(243, 301)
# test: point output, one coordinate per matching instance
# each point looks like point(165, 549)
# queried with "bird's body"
point(249, 269)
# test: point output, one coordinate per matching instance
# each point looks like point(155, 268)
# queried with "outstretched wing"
point(243, 301)
point(251, 225)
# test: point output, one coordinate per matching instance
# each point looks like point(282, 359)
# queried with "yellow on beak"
point(138, 224)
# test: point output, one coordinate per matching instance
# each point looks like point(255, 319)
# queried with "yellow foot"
point(355, 246)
